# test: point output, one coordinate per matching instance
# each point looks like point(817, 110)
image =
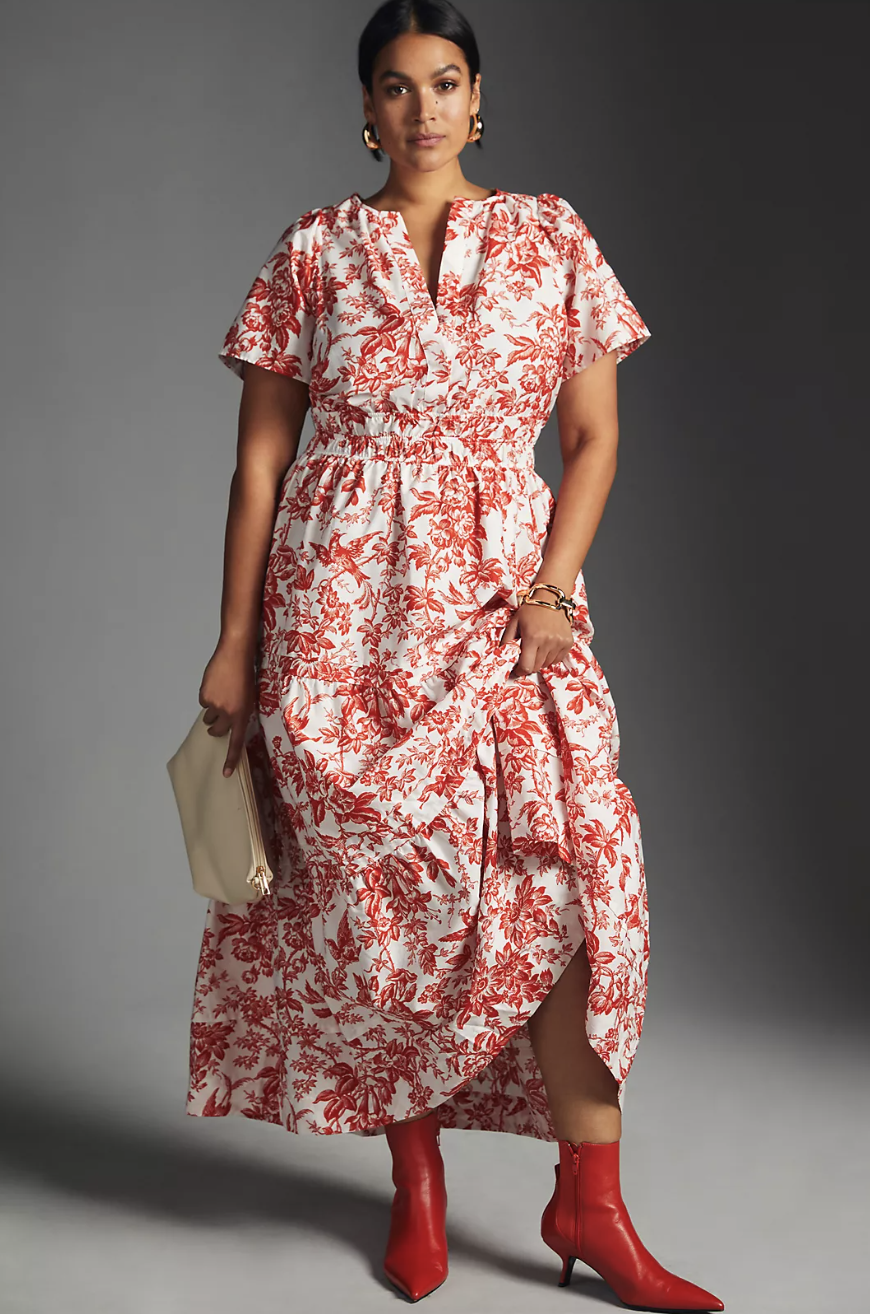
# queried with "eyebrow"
point(393, 73)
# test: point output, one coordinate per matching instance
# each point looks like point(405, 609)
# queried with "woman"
point(461, 885)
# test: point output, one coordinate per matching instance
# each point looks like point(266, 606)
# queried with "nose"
point(426, 103)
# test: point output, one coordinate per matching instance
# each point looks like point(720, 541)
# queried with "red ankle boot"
point(416, 1257)
point(586, 1219)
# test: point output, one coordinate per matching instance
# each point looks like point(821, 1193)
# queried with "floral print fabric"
point(445, 837)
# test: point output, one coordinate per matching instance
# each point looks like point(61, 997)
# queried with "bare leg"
point(581, 1090)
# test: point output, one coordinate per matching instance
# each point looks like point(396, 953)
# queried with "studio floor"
point(744, 1169)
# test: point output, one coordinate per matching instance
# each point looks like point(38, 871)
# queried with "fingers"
point(534, 656)
point(509, 633)
point(228, 693)
point(235, 749)
point(526, 663)
point(237, 740)
point(220, 723)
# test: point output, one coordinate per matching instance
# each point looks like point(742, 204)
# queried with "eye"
point(398, 86)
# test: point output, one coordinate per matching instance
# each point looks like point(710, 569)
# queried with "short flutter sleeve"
point(275, 324)
point(600, 317)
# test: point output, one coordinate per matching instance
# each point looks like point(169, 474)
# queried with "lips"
point(428, 138)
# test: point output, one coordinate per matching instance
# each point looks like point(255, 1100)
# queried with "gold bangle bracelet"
point(541, 585)
point(563, 602)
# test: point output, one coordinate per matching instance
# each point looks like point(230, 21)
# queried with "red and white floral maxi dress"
point(444, 836)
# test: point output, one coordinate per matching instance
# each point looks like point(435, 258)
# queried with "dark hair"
point(432, 17)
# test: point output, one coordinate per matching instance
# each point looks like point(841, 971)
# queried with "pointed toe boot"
point(416, 1255)
point(586, 1219)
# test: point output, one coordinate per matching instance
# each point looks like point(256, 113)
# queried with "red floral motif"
point(444, 837)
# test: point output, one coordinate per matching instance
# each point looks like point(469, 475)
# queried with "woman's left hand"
point(545, 636)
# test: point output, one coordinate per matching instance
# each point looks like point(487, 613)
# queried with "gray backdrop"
point(152, 156)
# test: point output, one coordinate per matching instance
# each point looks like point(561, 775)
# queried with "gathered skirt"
point(445, 837)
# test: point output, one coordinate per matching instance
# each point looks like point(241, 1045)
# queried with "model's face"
point(422, 101)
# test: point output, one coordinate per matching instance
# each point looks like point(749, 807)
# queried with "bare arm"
point(586, 408)
point(271, 415)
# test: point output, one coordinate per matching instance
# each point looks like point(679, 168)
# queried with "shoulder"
point(558, 219)
point(304, 232)
point(323, 231)
point(551, 219)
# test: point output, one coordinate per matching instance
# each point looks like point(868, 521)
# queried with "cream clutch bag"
point(219, 819)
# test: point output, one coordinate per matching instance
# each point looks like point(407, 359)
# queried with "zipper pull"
point(260, 881)
point(575, 1158)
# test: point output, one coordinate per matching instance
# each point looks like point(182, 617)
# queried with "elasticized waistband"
point(478, 435)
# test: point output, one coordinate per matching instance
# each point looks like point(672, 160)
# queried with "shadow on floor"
point(144, 1172)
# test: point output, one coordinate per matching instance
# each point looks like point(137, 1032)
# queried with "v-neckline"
point(421, 287)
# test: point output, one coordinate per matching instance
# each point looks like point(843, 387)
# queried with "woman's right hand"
point(229, 691)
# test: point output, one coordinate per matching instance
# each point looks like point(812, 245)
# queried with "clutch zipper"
point(259, 878)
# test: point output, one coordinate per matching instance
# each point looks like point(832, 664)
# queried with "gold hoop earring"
point(373, 145)
point(475, 130)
